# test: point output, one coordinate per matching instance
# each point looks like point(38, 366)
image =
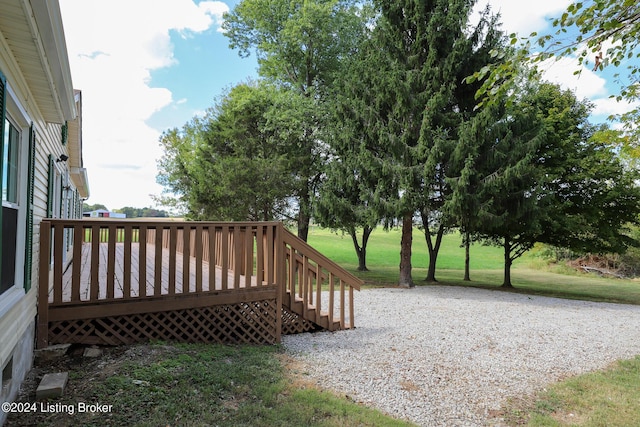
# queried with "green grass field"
point(383, 250)
point(530, 273)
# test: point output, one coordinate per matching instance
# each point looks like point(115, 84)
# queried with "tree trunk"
point(303, 225)
point(434, 249)
point(304, 214)
point(507, 264)
point(405, 280)
point(467, 243)
point(361, 250)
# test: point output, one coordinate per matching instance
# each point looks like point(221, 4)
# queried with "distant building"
point(101, 213)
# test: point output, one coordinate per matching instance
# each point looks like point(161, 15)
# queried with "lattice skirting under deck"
point(247, 322)
point(292, 323)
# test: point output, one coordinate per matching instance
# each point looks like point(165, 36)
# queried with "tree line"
point(366, 114)
point(129, 211)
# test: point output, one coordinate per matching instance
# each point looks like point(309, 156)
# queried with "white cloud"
point(610, 106)
point(113, 47)
point(523, 16)
point(215, 10)
point(586, 84)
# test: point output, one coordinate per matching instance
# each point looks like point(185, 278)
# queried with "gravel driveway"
point(451, 356)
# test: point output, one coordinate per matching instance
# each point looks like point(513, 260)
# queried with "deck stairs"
point(312, 281)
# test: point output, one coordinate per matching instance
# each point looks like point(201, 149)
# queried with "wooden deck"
point(112, 282)
point(127, 286)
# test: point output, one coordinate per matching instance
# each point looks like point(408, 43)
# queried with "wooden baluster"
point(260, 247)
point(248, 260)
point(342, 304)
point(318, 302)
point(173, 232)
point(292, 274)
point(305, 282)
point(186, 259)
point(238, 259)
point(300, 269)
point(111, 260)
point(331, 299)
point(94, 291)
point(224, 254)
point(213, 260)
point(142, 261)
point(199, 251)
point(352, 323)
point(271, 263)
point(157, 276)
point(78, 238)
point(58, 261)
point(128, 237)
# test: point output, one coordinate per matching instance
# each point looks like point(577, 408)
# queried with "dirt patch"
point(84, 372)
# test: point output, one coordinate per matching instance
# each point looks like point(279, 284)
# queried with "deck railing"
point(312, 280)
point(92, 267)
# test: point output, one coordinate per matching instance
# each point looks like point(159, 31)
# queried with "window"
point(10, 169)
point(11, 162)
point(14, 179)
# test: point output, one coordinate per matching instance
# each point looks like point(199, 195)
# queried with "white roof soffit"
point(49, 20)
point(81, 180)
point(74, 134)
point(34, 32)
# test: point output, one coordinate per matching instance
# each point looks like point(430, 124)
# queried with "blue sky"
point(205, 68)
point(145, 66)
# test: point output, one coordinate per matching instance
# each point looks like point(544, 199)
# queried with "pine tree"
point(405, 91)
point(535, 174)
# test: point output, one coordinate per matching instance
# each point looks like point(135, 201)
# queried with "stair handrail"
point(340, 272)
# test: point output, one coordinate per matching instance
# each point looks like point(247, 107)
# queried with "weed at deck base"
point(190, 385)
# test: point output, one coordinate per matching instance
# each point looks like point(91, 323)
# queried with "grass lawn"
point(530, 274)
point(383, 250)
point(605, 398)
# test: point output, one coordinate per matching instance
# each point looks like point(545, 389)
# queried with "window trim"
point(9, 203)
point(18, 116)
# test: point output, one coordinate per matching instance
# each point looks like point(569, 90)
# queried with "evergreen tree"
point(476, 48)
point(405, 91)
point(535, 174)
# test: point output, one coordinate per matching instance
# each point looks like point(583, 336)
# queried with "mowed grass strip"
point(383, 250)
point(610, 397)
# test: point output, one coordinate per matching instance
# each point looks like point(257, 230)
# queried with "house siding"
point(18, 309)
point(17, 320)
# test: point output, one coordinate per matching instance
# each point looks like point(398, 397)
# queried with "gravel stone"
point(451, 356)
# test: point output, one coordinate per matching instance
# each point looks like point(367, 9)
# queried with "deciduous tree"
point(233, 164)
point(299, 45)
